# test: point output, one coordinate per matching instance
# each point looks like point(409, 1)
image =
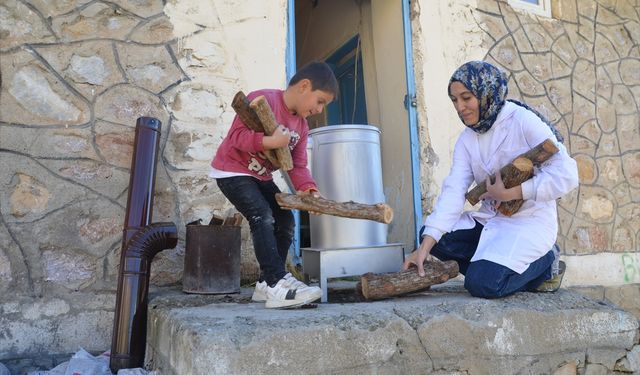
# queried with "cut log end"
point(523, 164)
point(550, 147)
point(387, 213)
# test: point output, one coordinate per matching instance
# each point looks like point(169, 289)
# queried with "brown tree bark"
point(249, 118)
point(385, 285)
point(514, 174)
point(268, 120)
point(379, 212)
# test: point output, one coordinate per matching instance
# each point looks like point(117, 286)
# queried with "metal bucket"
point(346, 164)
point(212, 259)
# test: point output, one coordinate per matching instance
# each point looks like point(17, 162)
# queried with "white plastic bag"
point(4, 370)
point(83, 363)
point(58, 370)
point(136, 371)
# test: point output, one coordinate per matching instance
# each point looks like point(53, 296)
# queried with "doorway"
point(363, 41)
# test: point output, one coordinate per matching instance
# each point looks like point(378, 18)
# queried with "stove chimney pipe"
point(141, 241)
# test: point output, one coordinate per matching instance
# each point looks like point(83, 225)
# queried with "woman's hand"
point(421, 254)
point(499, 193)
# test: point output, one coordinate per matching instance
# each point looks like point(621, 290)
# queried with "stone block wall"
point(74, 77)
point(581, 69)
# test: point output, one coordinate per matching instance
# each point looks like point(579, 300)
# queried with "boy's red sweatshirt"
point(241, 150)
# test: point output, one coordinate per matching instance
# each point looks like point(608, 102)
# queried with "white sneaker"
point(311, 293)
point(292, 283)
point(260, 292)
point(283, 296)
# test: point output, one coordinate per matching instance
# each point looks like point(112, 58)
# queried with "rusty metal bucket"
point(212, 259)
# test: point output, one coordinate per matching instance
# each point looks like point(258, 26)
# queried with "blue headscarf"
point(489, 85)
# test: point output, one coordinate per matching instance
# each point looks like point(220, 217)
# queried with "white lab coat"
point(516, 241)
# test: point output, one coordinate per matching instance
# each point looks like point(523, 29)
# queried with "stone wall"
point(75, 75)
point(581, 69)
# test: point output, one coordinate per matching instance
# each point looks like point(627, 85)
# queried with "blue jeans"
point(484, 278)
point(271, 226)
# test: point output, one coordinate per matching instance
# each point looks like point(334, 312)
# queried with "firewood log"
point(234, 219)
point(216, 220)
point(514, 174)
point(379, 212)
point(268, 120)
point(249, 118)
point(385, 285)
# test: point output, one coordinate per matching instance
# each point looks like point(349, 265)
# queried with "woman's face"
point(465, 102)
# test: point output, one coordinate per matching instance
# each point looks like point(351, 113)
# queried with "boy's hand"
point(314, 193)
point(280, 138)
point(282, 135)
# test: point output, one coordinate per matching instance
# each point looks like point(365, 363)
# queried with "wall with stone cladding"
point(581, 69)
point(74, 76)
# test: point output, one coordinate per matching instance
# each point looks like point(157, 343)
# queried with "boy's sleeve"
point(300, 174)
point(243, 138)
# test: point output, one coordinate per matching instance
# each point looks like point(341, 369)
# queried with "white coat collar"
point(498, 134)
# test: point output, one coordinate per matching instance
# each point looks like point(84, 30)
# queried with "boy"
point(243, 174)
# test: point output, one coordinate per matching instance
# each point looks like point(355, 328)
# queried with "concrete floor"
point(440, 331)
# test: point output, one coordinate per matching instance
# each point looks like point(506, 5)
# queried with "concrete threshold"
point(440, 331)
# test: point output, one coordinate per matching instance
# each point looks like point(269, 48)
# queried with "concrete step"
point(441, 331)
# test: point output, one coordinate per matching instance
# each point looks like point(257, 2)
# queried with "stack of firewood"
point(232, 218)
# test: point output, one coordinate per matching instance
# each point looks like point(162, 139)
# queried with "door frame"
point(410, 105)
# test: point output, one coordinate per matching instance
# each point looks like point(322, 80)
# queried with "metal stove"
point(346, 163)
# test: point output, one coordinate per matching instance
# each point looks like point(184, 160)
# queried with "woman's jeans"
point(484, 278)
point(271, 226)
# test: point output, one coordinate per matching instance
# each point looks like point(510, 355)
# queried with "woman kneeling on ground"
point(499, 255)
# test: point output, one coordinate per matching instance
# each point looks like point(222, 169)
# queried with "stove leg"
point(323, 286)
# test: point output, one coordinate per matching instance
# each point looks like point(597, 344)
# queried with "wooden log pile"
point(232, 218)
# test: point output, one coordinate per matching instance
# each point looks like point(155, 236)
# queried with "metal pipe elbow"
point(152, 239)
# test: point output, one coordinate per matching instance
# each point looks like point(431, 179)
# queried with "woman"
point(498, 255)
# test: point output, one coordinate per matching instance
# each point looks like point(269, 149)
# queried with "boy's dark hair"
point(320, 75)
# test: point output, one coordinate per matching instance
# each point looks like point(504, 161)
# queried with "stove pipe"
point(141, 241)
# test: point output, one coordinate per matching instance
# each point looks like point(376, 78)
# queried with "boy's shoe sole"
point(553, 284)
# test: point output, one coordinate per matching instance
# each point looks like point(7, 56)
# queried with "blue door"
point(350, 106)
